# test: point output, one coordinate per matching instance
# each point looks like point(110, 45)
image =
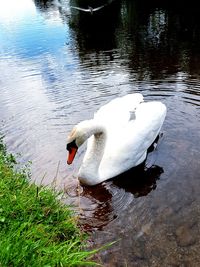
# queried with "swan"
point(118, 137)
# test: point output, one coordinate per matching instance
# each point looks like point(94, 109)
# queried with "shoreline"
point(36, 228)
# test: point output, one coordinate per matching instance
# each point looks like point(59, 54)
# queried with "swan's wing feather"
point(132, 115)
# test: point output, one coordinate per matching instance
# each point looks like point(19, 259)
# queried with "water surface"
point(58, 66)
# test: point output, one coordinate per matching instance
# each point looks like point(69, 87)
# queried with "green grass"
point(35, 228)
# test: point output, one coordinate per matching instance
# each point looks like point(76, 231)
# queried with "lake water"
point(59, 65)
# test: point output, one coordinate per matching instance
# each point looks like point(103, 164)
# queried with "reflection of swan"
point(110, 199)
point(139, 181)
point(119, 136)
point(99, 211)
point(89, 9)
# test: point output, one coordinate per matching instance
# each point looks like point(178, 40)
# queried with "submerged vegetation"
point(35, 228)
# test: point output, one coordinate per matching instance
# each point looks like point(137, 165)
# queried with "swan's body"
point(118, 137)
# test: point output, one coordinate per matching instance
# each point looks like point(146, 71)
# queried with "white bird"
point(89, 9)
point(118, 137)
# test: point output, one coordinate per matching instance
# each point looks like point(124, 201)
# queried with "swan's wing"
point(119, 110)
point(127, 148)
point(137, 135)
point(142, 131)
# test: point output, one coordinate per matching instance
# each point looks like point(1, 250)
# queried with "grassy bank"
point(35, 228)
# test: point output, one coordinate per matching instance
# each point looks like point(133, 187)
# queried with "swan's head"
point(80, 133)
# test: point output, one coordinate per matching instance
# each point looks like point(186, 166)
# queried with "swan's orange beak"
point(71, 155)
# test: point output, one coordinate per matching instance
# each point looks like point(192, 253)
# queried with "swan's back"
point(119, 110)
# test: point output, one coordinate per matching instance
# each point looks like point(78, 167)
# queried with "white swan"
point(118, 137)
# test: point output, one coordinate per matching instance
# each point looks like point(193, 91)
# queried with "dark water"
point(58, 66)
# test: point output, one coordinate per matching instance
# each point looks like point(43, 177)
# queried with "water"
point(58, 66)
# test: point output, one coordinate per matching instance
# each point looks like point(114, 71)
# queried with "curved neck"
point(95, 149)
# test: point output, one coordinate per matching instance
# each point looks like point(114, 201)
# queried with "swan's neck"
point(89, 172)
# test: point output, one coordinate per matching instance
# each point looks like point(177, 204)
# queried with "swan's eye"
point(71, 145)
